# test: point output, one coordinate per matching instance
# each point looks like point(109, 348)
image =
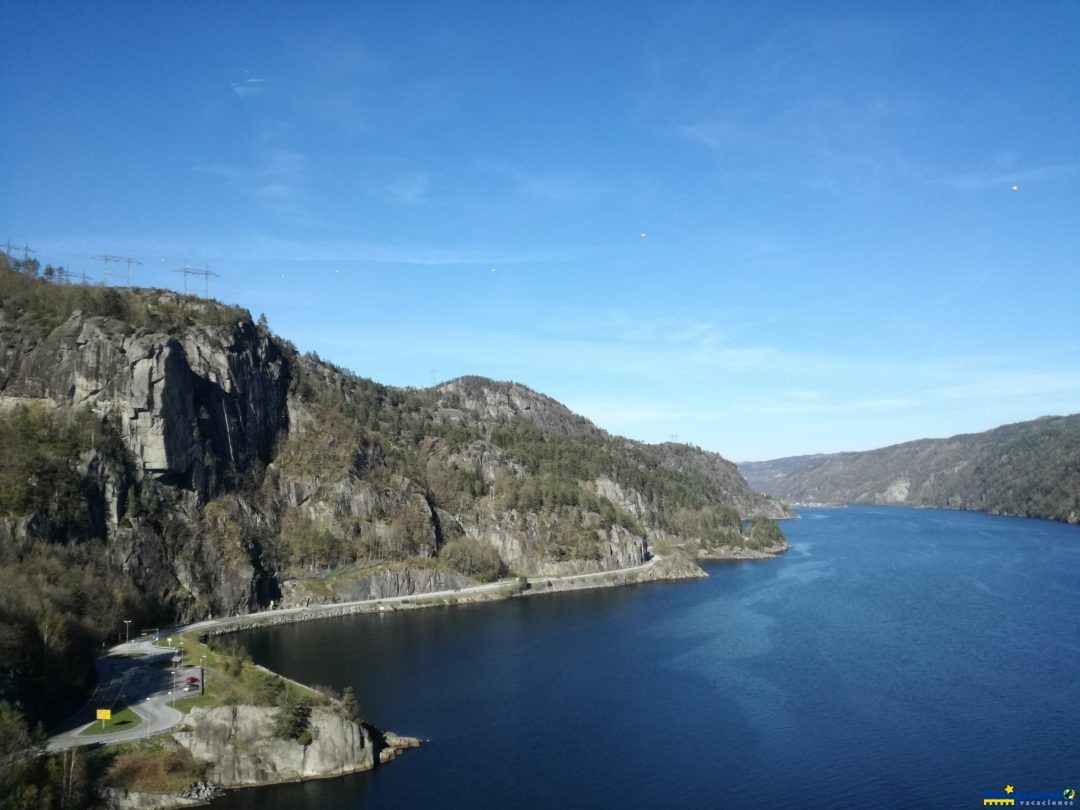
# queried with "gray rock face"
point(189, 411)
point(499, 400)
point(240, 748)
point(630, 501)
point(400, 580)
point(194, 414)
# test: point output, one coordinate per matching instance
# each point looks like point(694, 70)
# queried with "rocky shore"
point(240, 747)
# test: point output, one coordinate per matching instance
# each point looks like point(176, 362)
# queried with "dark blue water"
point(893, 657)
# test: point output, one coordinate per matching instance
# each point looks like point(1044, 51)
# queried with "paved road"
point(125, 674)
point(314, 610)
point(126, 677)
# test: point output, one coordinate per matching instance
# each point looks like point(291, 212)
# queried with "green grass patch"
point(121, 720)
point(232, 679)
point(185, 705)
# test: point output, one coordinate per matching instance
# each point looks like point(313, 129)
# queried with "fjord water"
point(893, 657)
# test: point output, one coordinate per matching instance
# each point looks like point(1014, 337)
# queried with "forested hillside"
point(165, 458)
point(1030, 469)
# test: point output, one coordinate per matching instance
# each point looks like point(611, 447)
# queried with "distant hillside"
point(768, 476)
point(1030, 469)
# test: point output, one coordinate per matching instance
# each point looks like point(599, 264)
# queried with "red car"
point(191, 681)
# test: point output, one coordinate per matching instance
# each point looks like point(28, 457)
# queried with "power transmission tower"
point(187, 271)
point(25, 248)
point(106, 259)
point(205, 273)
point(129, 262)
point(119, 260)
point(85, 278)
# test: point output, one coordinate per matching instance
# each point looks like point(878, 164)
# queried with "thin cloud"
point(250, 88)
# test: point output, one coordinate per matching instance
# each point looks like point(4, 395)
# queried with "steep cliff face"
point(191, 411)
point(196, 414)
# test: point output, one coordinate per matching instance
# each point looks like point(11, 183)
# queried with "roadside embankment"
point(673, 567)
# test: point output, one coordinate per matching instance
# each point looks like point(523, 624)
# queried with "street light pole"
point(127, 630)
point(202, 675)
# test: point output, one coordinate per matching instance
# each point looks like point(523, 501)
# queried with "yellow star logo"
point(1009, 788)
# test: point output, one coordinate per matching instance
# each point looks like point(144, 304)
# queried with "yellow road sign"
point(104, 714)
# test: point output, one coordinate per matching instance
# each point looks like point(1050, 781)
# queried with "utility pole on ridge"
point(119, 260)
point(205, 273)
point(25, 248)
point(187, 271)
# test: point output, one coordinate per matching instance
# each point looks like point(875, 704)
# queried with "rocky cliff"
point(198, 465)
point(196, 415)
point(240, 747)
point(193, 411)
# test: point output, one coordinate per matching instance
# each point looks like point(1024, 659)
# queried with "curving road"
point(126, 676)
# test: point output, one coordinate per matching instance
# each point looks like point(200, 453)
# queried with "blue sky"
point(833, 256)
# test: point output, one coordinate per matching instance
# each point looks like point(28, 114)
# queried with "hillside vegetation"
point(165, 458)
point(1030, 469)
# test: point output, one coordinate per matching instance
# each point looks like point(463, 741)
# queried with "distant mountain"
point(1031, 469)
point(768, 476)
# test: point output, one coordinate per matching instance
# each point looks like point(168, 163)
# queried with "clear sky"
point(768, 229)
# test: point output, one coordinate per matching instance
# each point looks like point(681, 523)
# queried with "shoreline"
point(657, 569)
